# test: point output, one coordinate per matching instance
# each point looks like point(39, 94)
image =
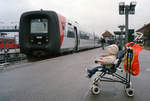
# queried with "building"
point(107, 35)
point(145, 29)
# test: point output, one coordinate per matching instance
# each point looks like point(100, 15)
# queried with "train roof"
point(47, 12)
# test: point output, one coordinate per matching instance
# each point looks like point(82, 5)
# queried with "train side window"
point(10, 41)
point(63, 25)
point(83, 35)
point(1, 41)
point(64, 29)
point(7, 41)
point(4, 41)
point(70, 34)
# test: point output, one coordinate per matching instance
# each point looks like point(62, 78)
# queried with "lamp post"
point(121, 35)
point(126, 10)
point(14, 24)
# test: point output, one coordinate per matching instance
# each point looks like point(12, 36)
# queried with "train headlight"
point(39, 43)
point(39, 37)
point(31, 40)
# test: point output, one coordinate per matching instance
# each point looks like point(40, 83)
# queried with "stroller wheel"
point(95, 90)
point(130, 92)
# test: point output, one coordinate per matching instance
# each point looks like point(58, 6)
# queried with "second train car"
point(44, 33)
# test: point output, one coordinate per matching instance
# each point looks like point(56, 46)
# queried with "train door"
point(69, 38)
point(76, 39)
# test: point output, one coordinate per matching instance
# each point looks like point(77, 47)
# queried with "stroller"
point(95, 89)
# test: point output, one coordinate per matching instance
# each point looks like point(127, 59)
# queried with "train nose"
point(39, 39)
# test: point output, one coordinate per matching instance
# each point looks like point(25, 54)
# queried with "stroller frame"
point(112, 71)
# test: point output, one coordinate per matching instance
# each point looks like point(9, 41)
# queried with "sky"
point(97, 15)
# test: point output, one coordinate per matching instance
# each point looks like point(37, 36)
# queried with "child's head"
point(112, 49)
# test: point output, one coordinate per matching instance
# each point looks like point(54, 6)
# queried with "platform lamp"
point(126, 10)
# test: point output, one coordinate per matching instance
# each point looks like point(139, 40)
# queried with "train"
point(8, 43)
point(8, 48)
point(44, 33)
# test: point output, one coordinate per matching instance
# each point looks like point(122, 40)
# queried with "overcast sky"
point(98, 15)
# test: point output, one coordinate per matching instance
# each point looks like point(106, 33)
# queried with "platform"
point(63, 79)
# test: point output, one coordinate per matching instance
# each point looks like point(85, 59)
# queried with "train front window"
point(39, 26)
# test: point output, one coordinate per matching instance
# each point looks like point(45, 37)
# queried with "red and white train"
point(44, 33)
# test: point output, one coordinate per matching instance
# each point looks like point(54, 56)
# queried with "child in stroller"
point(111, 63)
point(106, 61)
